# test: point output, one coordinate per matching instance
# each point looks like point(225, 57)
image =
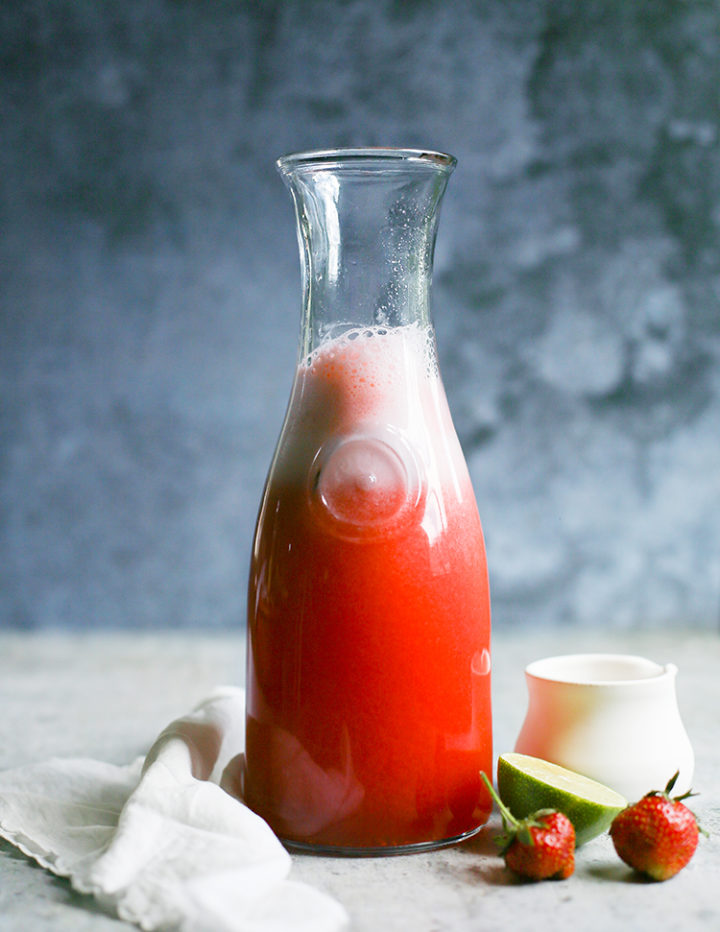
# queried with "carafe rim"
point(374, 158)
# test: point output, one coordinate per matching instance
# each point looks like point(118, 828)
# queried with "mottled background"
point(150, 289)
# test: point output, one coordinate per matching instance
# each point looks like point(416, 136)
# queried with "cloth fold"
point(162, 841)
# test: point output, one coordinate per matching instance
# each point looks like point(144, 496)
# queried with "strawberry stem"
point(509, 820)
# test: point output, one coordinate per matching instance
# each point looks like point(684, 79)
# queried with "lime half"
point(526, 784)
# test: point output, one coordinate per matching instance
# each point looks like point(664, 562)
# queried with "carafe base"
point(381, 851)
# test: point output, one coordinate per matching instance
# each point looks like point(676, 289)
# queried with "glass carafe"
point(368, 680)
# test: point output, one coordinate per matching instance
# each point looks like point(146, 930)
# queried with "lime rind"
point(526, 784)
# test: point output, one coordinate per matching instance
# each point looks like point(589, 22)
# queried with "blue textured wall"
point(150, 289)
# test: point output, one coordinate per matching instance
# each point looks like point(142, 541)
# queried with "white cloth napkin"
point(165, 843)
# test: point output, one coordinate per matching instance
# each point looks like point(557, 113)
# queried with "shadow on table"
point(487, 866)
point(63, 892)
point(620, 873)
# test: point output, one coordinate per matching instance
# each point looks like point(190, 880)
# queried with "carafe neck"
point(366, 224)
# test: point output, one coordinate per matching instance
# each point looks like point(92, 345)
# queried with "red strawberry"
point(657, 835)
point(540, 847)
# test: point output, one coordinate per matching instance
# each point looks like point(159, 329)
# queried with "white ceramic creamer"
point(611, 717)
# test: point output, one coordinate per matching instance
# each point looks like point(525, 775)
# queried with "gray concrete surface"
point(107, 695)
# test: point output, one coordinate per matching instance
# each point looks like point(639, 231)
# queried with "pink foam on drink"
point(364, 381)
point(373, 364)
